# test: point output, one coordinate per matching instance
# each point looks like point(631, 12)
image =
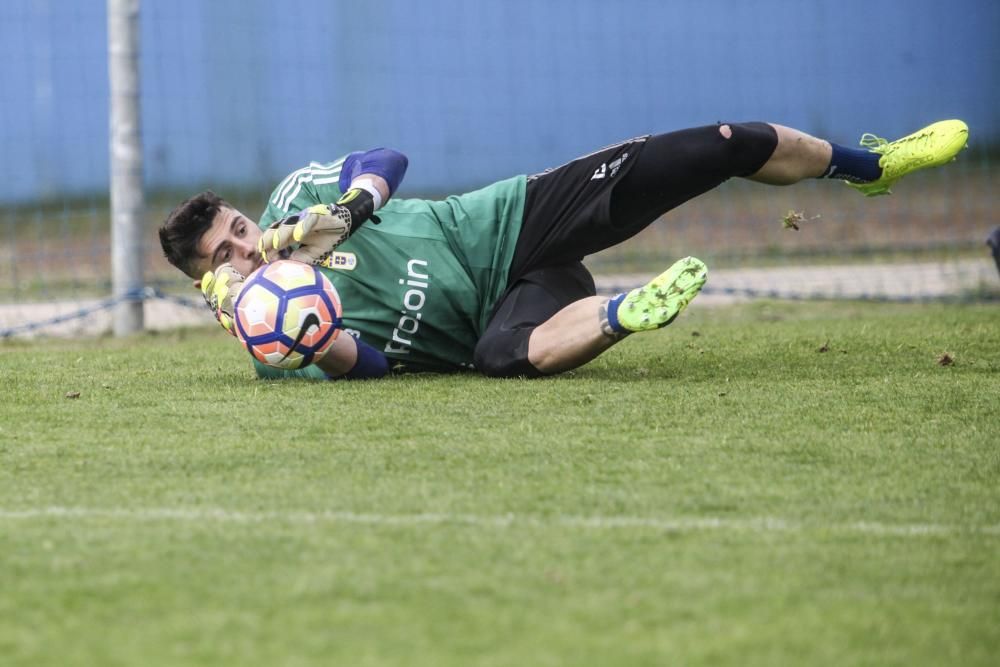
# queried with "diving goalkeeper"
point(493, 280)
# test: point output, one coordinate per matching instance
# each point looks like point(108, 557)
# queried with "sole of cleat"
point(659, 302)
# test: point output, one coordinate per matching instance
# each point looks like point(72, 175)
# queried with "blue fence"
point(239, 92)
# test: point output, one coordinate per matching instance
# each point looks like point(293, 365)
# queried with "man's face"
point(231, 238)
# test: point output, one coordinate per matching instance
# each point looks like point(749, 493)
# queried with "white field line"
point(665, 524)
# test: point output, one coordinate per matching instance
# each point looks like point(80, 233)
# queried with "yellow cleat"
point(660, 301)
point(932, 146)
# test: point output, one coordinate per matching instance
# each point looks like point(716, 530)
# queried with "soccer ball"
point(287, 314)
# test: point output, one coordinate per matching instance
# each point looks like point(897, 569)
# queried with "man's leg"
point(669, 170)
point(872, 169)
point(574, 336)
point(796, 156)
point(549, 321)
point(539, 296)
point(676, 167)
point(568, 220)
point(571, 337)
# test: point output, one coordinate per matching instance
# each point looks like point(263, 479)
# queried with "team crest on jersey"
point(344, 261)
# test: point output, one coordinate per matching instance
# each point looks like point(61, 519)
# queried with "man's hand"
point(318, 229)
point(220, 289)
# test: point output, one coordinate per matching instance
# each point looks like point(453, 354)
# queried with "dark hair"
point(184, 227)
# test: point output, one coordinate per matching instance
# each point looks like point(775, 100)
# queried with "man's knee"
point(748, 146)
point(505, 356)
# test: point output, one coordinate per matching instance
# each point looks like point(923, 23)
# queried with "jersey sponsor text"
point(413, 301)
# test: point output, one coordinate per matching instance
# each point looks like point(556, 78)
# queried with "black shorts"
point(593, 203)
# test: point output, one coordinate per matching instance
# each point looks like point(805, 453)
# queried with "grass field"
point(719, 493)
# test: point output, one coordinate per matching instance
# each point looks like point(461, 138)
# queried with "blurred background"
point(235, 94)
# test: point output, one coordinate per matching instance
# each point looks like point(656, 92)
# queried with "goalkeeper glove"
point(318, 229)
point(220, 289)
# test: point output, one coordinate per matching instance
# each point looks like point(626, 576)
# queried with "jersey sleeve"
point(316, 183)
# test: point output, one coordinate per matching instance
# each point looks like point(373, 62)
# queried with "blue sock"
point(370, 363)
point(613, 324)
point(856, 165)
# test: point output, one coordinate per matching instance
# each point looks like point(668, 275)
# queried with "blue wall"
point(239, 92)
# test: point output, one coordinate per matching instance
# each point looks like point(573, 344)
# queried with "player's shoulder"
point(317, 173)
point(298, 189)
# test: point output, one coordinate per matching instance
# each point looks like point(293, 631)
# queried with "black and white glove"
point(317, 230)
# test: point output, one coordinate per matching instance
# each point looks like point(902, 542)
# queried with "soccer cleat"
point(660, 301)
point(932, 146)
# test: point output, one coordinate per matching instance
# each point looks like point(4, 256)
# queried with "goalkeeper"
point(493, 280)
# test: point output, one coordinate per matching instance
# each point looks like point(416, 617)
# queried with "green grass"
point(735, 497)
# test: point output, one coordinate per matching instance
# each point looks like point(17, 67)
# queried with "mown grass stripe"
point(667, 524)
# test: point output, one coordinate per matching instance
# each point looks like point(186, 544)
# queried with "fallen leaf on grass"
point(72, 394)
point(825, 347)
point(945, 360)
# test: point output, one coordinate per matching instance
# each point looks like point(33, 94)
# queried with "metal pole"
point(127, 197)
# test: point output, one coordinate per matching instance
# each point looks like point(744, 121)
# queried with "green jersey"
point(420, 286)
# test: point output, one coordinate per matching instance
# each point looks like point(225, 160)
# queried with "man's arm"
point(350, 359)
point(317, 208)
point(325, 183)
point(346, 358)
point(377, 172)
